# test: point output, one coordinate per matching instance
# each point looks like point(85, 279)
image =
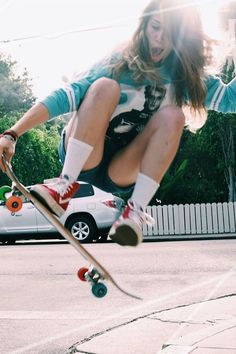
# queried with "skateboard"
point(95, 273)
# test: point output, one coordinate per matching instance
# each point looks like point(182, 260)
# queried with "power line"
point(119, 23)
point(61, 34)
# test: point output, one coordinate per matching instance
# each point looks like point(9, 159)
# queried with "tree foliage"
point(201, 180)
point(206, 177)
point(15, 91)
point(226, 129)
point(36, 151)
point(36, 155)
point(210, 174)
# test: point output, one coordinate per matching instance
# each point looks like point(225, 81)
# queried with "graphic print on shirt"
point(131, 117)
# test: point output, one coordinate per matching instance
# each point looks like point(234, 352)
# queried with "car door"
point(23, 221)
point(42, 223)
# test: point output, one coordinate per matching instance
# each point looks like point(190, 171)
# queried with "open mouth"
point(157, 51)
point(156, 54)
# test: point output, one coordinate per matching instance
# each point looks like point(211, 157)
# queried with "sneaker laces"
point(143, 216)
point(62, 185)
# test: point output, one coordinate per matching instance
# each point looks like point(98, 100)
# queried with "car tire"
point(11, 242)
point(3, 242)
point(83, 228)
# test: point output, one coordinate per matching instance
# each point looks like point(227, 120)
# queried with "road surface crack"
point(177, 322)
point(74, 349)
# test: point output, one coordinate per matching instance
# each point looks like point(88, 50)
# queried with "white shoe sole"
point(47, 200)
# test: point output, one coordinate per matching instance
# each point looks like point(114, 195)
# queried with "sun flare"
point(210, 12)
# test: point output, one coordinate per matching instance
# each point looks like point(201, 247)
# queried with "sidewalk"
point(204, 328)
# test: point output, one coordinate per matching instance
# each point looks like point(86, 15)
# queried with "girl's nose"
point(159, 35)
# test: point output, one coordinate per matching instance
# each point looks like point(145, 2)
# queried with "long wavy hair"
point(191, 53)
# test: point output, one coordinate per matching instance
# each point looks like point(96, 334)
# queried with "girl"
point(129, 114)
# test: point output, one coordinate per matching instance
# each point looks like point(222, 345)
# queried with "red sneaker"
point(56, 193)
point(127, 230)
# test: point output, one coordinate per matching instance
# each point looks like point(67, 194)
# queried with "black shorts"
point(98, 176)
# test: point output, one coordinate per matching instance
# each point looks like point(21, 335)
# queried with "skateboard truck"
point(92, 276)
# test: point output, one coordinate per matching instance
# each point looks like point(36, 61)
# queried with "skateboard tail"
point(125, 292)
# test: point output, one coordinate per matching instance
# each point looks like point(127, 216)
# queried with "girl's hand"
point(7, 147)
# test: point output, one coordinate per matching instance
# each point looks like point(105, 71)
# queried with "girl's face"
point(158, 43)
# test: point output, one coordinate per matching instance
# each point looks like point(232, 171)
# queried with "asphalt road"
point(45, 309)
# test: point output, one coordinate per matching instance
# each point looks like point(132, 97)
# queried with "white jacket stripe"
point(216, 107)
point(71, 97)
point(214, 98)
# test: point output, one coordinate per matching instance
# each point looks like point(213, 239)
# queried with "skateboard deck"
point(96, 272)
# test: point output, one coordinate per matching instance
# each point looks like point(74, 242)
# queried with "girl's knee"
point(172, 117)
point(105, 89)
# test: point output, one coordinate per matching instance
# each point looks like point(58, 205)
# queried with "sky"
point(53, 39)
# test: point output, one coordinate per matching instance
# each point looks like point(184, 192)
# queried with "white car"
point(89, 216)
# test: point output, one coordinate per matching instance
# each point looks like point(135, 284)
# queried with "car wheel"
point(11, 242)
point(6, 241)
point(83, 228)
point(3, 242)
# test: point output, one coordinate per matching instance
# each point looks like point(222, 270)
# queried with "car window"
point(24, 199)
point(85, 190)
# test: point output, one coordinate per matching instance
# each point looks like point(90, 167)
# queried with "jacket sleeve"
point(220, 97)
point(68, 99)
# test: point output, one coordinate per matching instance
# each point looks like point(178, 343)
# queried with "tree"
point(36, 156)
point(36, 151)
point(172, 178)
point(15, 91)
point(226, 125)
point(210, 175)
point(200, 178)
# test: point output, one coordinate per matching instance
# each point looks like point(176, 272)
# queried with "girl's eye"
point(156, 28)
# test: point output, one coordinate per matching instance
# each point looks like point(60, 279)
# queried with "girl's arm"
point(221, 97)
point(68, 98)
point(60, 101)
point(34, 116)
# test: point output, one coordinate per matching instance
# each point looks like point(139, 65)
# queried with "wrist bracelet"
point(11, 133)
point(8, 137)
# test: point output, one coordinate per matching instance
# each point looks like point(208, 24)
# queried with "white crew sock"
point(144, 190)
point(77, 154)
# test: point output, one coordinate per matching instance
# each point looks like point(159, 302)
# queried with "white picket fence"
point(192, 219)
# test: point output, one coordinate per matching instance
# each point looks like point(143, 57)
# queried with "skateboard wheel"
point(81, 273)
point(14, 204)
point(99, 289)
point(3, 191)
